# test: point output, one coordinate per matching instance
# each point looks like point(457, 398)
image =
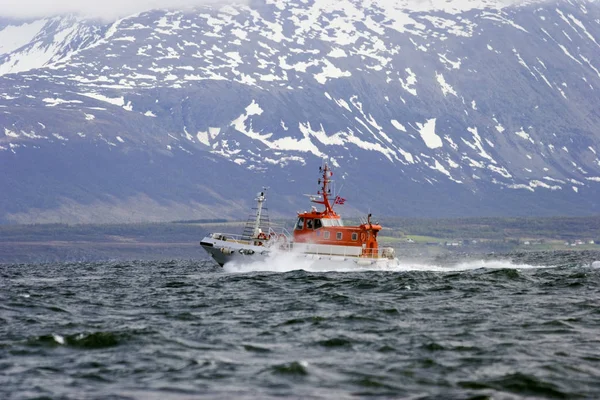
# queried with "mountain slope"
point(40, 43)
point(466, 108)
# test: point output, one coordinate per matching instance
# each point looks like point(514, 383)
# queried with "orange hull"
point(325, 227)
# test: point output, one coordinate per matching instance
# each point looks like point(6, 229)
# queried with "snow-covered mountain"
point(36, 44)
point(423, 108)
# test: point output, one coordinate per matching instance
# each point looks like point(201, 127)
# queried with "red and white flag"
point(339, 200)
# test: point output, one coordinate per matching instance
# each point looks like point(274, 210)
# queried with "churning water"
point(527, 326)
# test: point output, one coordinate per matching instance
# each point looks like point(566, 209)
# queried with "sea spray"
point(286, 261)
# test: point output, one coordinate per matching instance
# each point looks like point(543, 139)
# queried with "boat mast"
point(325, 191)
point(260, 199)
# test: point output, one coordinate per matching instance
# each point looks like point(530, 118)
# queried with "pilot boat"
point(317, 234)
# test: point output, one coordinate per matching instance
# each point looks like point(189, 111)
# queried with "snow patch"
point(478, 145)
point(524, 135)
point(330, 71)
point(446, 88)
point(214, 131)
point(410, 82)
point(202, 137)
point(337, 53)
point(427, 132)
point(499, 170)
point(398, 125)
point(117, 101)
point(10, 133)
point(14, 37)
point(53, 102)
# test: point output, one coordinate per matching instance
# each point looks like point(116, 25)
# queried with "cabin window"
point(318, 224)
point(300, 224)
point(309, 224)
point(333, 222)
point(354, 236)
point(326, 235)
point(338, 235)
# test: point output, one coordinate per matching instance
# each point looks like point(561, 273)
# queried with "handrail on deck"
point(311, 248)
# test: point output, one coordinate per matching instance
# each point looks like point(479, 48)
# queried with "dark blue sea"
point(520, 326)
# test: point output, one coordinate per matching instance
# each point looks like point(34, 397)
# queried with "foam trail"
point(466, 266)
point(289, 261)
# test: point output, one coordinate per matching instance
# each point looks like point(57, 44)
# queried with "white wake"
point(286, 261)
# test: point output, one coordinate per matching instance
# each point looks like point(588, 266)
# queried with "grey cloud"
point(105, 9)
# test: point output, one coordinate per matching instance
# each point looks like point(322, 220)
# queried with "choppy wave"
point(95, 340)
point(497, 326)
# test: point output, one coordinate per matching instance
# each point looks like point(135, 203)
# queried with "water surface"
point(524, 326)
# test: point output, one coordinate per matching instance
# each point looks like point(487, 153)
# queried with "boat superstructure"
point(317, 234)
point(324, 232)
point(257, 239)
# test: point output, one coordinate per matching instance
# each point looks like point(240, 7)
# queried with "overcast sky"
point(106, 9)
